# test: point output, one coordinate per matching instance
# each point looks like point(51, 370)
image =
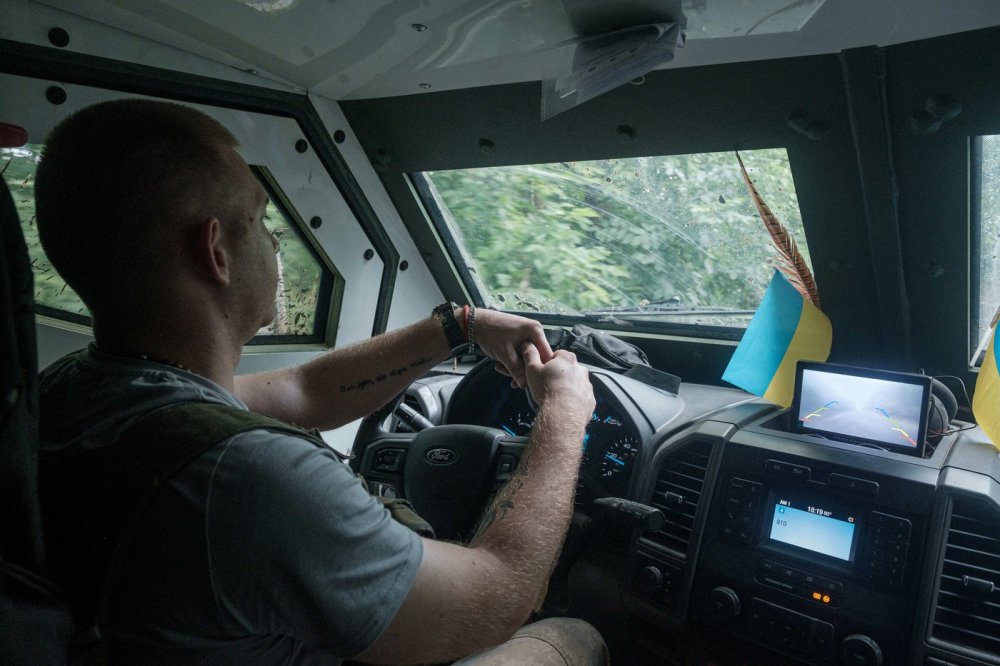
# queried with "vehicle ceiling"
point(381, 48)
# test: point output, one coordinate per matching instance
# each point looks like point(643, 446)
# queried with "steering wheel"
point(447, 472)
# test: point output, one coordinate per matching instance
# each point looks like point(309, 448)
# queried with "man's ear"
point(213, 254)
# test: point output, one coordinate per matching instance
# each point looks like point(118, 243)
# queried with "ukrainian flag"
point(786, 329)
point(986, 401)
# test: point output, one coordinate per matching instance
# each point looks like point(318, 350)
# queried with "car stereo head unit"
point(860, 405)
point(821, 530)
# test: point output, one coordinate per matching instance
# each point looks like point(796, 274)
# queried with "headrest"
point(12, 136)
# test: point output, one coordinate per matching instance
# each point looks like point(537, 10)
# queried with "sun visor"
point(582, 68)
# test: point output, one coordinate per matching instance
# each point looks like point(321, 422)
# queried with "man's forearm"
point(346, 384)
point(527, 522)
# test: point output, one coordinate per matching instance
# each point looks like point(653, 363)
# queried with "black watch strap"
point(445, 313)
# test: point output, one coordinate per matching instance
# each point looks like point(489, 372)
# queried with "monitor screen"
point(814, 528)
point(888, 409)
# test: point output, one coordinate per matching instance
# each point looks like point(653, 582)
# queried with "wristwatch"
point(445, 313)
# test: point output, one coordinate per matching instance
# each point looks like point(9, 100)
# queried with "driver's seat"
point(35, 625)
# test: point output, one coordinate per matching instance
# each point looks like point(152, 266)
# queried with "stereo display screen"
point(812, 527)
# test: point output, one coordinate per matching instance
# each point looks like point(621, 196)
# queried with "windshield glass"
point(671, 238)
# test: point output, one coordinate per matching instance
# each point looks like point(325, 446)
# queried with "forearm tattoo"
point(504, 500)
point(379, 378)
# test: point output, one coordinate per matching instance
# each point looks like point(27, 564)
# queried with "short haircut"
point(111, 176)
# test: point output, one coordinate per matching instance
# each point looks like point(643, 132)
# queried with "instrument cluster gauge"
point(619, 455)
point(518, 423)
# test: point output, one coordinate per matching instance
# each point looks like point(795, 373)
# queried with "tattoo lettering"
point(381, 377)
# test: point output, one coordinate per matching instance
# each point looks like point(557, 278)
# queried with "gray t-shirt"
point(264, 550)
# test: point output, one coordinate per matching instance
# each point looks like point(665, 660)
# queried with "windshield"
point(671, 238)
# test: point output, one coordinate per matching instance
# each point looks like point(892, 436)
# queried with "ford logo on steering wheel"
point(441, 456)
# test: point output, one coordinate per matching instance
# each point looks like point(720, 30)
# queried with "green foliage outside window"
point(989, 237)
point(672, 237)
point(50, 290)
point(299, 275)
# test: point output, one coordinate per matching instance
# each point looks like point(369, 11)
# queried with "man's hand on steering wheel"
point(562, 378)
point(501, 336)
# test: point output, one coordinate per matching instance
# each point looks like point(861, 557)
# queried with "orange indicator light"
point(826, 598)
point(817, 596)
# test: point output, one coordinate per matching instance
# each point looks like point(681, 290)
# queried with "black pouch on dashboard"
point(600, 349)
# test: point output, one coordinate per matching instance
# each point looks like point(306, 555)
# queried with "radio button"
point(853, 483)
point(888, 546)
point(775, 466)
point(892, 528)
point(800, 472)
point(888, 557)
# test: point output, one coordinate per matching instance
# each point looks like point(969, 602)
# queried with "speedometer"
point(620, 452)
point(518, 423)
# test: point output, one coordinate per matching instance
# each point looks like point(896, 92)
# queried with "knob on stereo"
point(649, 580)
point(724, 603)
point(860, 650)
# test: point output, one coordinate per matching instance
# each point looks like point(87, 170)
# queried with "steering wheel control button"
point(389, 460)
point(507, 463)
point(505, 467)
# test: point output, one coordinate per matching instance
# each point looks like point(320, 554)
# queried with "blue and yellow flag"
point(786, 329)
point(986, 400)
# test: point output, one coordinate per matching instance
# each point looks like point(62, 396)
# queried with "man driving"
point(265, 548)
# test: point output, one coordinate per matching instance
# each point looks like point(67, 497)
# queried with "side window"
point(53, 297)
point(306, 276)
point(985, 209)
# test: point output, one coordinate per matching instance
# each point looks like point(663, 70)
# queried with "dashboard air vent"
point(678, 491)
point(967, 607)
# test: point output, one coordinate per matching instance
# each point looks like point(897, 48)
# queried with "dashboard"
point(777, 547)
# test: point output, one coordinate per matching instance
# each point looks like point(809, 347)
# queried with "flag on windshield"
point(986, 400)
point(786, 329)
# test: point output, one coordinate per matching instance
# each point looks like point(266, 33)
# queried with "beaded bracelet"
point(470, 327)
